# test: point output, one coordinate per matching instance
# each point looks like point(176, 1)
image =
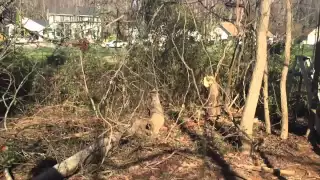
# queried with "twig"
point(222, 58)
point(181, 57)
point(134, 111)
point(86, 87)
point(244, 80)
point(266, 169)
point(12, 102)
point(234, 100)
point(155, 164)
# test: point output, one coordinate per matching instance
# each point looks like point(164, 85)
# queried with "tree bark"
point(307, 83)
point(256, 81)
point(214, 109)
point(266, 101)
point(156, 111)
point(283, 82)
point(315, 81)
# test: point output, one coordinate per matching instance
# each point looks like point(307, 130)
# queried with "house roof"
point(269, 34)
point(41, 22)
point(31, 25)
point(305, 32)
point(233, 30)
point(230, 28)
point(86, 11)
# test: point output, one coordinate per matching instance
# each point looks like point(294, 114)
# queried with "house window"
point(69, 32)
point(94, 33)
point(67, 28)
point(7, 31)
point(59, 33)
point(22, 33)
point(60, 29)
point(45, 31)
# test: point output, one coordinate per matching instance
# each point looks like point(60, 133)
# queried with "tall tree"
point(283, 82)
point(266, 100)
point(315, 82)
point(256, 81)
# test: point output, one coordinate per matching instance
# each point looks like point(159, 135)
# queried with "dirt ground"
point(185, 151)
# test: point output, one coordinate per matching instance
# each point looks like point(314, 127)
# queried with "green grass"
point(38, 54)
point(305, 50)
point(99, 51)
point(41, 54)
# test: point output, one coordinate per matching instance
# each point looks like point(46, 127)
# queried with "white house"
point(73, 23)
point(311, 38)
point(225, 30)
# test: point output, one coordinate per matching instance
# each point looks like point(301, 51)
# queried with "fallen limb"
point(7, 174)
point(94, 152)
point(99, 150)
point(266, 169)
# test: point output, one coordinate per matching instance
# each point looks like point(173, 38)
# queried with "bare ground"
point(187, 152)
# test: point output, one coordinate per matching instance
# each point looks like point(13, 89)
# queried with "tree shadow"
point(44, 170)
point(314, 139)
point(148, 158)
point(207, 149)
point(269, 165)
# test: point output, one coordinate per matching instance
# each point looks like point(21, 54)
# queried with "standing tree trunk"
point(315, 82)
point(213, 109)
point(266, 100)
point(256, 81)
point(283, 82)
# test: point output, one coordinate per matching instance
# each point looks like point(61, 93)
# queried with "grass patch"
point(42, 53)
point(38, 54)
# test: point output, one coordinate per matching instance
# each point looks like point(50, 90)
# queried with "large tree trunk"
point(256, 81)
point(266, 100)
point(283, 82)
point(315, 82)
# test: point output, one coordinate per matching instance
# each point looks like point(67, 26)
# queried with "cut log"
point(156, 111)
point(69, 166)
point(213, 109)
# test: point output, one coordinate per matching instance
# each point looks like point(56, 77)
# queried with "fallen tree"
point(102, 146)
point(70, 166)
